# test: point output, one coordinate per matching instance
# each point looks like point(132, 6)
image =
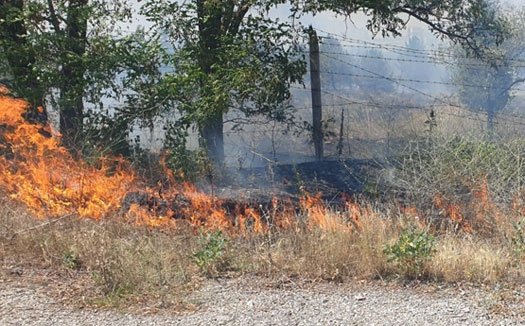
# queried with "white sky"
point(354, 28)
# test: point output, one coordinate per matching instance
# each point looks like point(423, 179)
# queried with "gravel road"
point(241, 302)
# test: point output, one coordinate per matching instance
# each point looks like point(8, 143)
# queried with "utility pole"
point(317, 109)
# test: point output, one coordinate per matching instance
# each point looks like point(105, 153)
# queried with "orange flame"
point(453, 212)
point(320, 216)
point(39, 172)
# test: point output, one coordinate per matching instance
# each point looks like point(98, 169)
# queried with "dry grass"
point(462, 258)
point(127, 262)
point(122, 260)
point(328, 254)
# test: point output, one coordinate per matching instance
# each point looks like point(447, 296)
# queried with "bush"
point(210, 256)
point(457, 167)
point(411, 251)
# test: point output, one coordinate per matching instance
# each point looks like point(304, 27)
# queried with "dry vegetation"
point(454, 211)
point(126, 262)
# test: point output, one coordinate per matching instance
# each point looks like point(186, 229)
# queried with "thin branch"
point(39, 226)
point(440, 29)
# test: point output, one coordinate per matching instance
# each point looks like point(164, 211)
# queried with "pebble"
point(235, 302)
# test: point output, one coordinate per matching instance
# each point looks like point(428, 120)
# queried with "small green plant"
point(518, 240)
point(70, 260)
point(411, 251)
point(209, 257)
point(371, 188)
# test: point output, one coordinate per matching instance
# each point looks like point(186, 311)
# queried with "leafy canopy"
point(225, 54)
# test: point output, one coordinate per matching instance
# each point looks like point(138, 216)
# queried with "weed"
point(518, 240)
point(209, 257)
point(70, 260)
point(411, 251)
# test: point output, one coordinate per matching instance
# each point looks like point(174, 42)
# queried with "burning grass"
point(160, 241)
point(40, 173)
point(128, 263)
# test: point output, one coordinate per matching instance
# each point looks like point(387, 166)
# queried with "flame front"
point(39, 172)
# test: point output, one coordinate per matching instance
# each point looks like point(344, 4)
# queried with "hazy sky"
point(354, 28)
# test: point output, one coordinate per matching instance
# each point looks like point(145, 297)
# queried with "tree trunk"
point(213, 135)
point(210, 14)
point(72, 91)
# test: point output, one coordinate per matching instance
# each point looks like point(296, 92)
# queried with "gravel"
point(247, 302)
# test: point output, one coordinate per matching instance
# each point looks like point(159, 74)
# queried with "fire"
point(414, 215)
point(320, 216)
point(40, 173)
point(487, 214)
point(453, 212)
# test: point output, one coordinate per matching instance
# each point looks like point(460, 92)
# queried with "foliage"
point(412, 250)
point(186, 165)
point(223, 56)
point(213, 246)
point(74, 53)
point(70, 260)
point(202, 59)
point(456, 167)
point(453, 19)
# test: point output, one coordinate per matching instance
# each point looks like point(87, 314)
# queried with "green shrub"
point(71, 260)
point(210, 257)
point(187, 165)
point(518, 239)
point(411, 251)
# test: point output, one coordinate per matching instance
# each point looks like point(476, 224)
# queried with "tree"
point(227, 54)
point(456, 20)
point(17, 53)
point(224, 54)
point(70, 48)
point(230, 54)
point(486, 83)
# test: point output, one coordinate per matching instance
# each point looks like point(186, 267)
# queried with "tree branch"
point(514, 83)
point(53, 15)
point(239, 16)
point(465, 38)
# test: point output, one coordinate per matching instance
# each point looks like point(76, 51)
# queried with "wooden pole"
point(317, 110)
point(341, 131)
